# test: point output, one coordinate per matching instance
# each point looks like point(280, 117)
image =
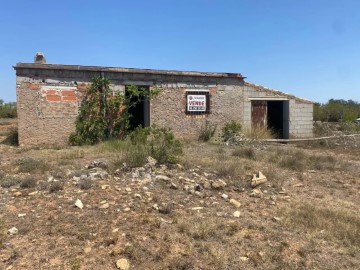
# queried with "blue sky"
point(310, 48)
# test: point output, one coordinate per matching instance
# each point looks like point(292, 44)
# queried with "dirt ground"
point(199, 214)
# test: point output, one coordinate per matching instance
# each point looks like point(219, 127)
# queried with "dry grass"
point(335, 224)
point(259, 133)
point(318, 226)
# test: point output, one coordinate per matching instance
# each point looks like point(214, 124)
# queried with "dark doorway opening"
point(140, 113)
point(278, 118)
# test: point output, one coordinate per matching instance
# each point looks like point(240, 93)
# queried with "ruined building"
point(49, 95)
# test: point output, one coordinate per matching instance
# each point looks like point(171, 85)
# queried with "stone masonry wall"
point(48, 101)
point(169, 108)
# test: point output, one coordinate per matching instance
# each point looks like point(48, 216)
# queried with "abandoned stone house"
point(49, 95)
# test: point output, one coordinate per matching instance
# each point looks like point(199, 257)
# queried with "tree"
point(104, 113)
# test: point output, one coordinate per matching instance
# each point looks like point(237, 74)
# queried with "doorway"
point(271, 114)
point(140, 112)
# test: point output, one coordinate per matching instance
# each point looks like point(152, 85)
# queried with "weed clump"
point(85, 183)
point(28, 182)
point(246, 152)
point(230, 129)
point(207, 132)
point(158, 143)
point(56, 186)
point(9, 181)
point(27, 165)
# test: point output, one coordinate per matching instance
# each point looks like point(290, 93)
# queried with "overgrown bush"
point(104, 113)
point(159, 143)
point(207, 131)
point(163, 146)
point(230, 129)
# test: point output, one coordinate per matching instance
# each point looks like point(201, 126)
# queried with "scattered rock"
point(105, 186)
point(97, 164)
point(257, 193)
point(173, 186)
point(179, 167)
point(13, 231)
point(151, 161)
point(218, 184)
point(79, 204)
point(123, 264)
point(276, 219)
point(17, 194)
point(235, 202)
point(258, 179)
point(104, 206)
point(162, 177)
point(224, 196)
point(206, 185)
point(298, 185)
point(197, 208)
point(236, 214)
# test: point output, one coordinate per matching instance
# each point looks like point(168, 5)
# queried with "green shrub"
point(164, 147)
point(105, 114)
point(207, 132)
point(136, 155)
point(158, 143)
point(230, 129)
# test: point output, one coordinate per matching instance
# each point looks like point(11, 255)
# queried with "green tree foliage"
point(104, 113)
point(7, 110)
point(337, 110)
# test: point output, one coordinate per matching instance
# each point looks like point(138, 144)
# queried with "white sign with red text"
point(196, 103)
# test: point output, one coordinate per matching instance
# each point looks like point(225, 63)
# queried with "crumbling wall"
point(49, 99)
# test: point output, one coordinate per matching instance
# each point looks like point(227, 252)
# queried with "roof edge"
point(274, 91)
point(126, 70)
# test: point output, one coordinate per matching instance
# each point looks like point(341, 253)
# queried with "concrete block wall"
point(300, 111)
point(301, 119)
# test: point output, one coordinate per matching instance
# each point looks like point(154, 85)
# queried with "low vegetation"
point(7, 110)
point(191, 206)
